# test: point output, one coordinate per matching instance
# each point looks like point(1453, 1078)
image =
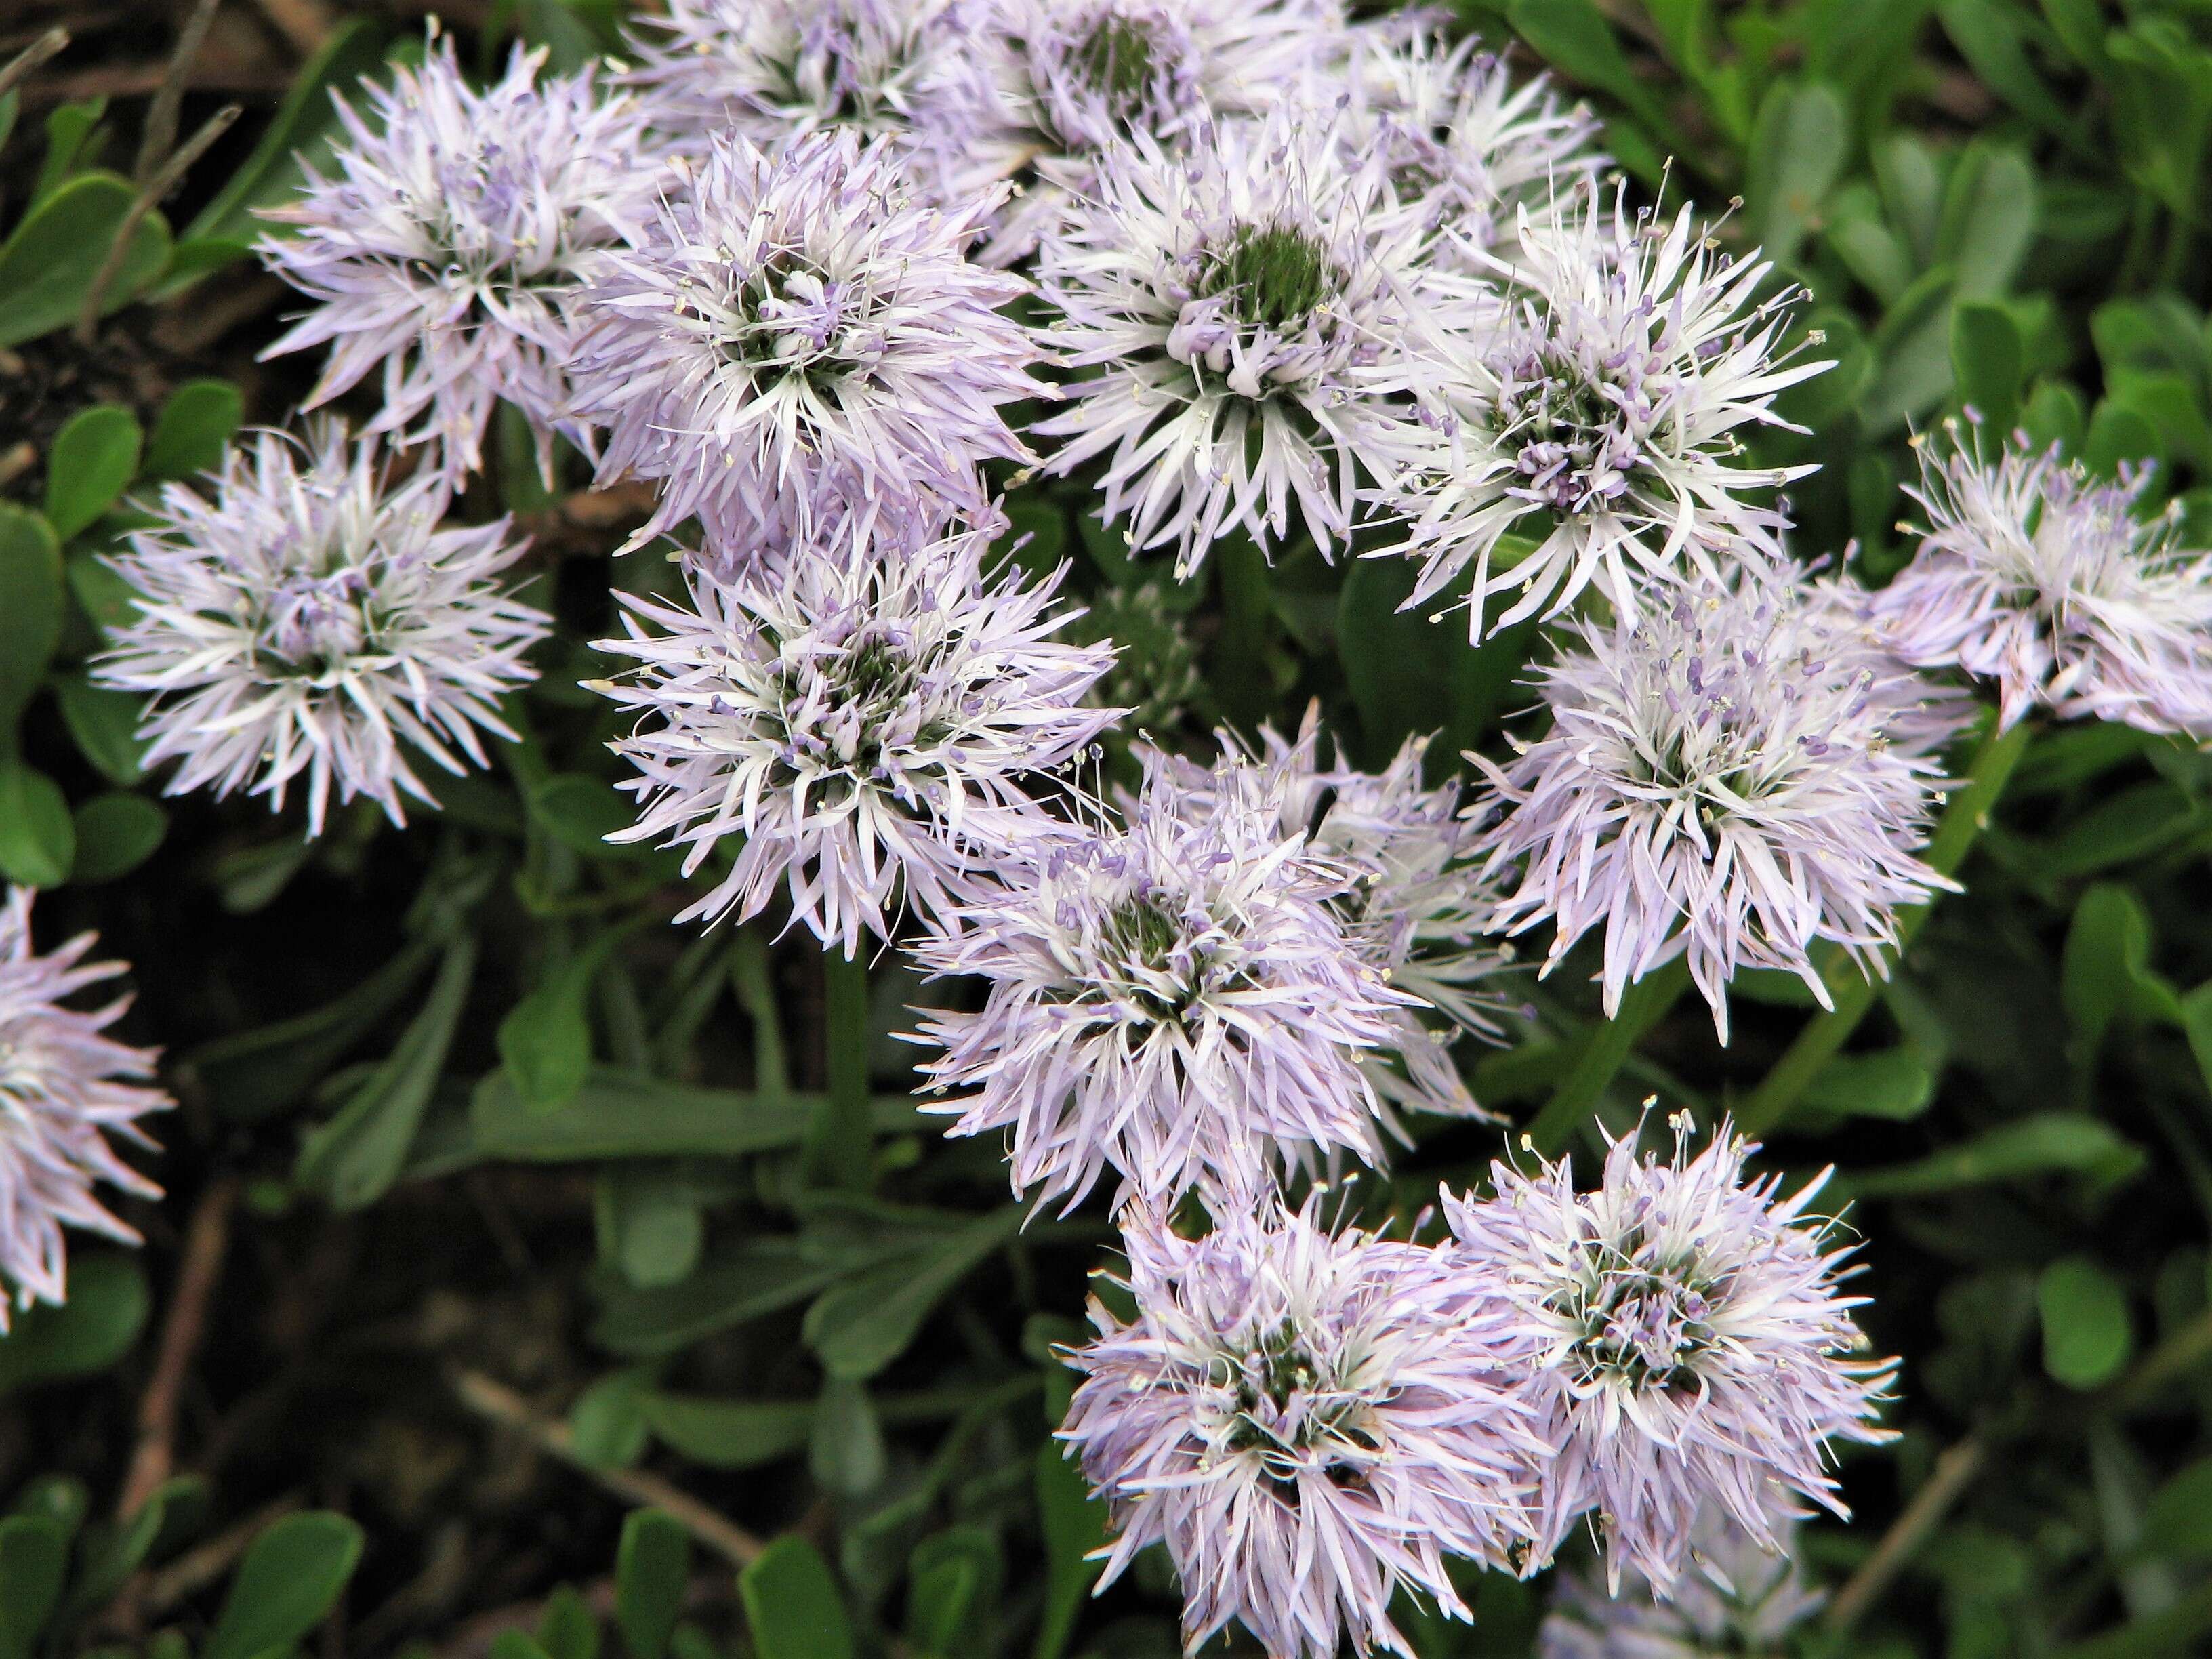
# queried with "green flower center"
point(1273, 277)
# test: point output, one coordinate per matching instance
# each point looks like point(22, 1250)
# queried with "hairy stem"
point(1642, 1006)
point(841, 1142)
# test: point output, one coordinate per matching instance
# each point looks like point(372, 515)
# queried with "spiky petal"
point(1308, 1421)
point(312, 623)
point(860, 729)
point(64, 1087)
point(1694, 1348)
point(2035, 575)
point(444, 248)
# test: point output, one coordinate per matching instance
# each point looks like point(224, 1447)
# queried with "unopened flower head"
point(855, 730)
point(64, 1087)
point(777, 69)
point(799, 320)
point(310, 623)
point(446, 247)
point(1412, 896)
point(1255, 314)
point(1459, 138)
point(1308, 1421)
point(2035, 575)
point(1603, 417)
point(1717, 781)
point(1693, 1345)
point(1737, 1597)
point(1176, 1000)
point(1074, 78)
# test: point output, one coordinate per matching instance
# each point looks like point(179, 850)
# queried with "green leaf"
point(37, 838)
point(1893, 1084)
point(1986, 362)
point(515, 1644)
point(2117, 434)
point(545, 1041)
point(954, 1580)
point(1989, 218)
point(2177, 1519)
point(580, 812)
point(115, 834)
point(859, 1327)
point(67, 127)
point(650, 1223)
point(106, 1310)
point(105, 724)
point(93, 456)
point(33, 1562)
point(30, 610)
point(606, 1424)
point(652, 1566)
point(290, 1578)
point(2045, 1143)
point(1411, 673)
point(2129, 825)
point(1797, 153)
point(1912, 354)
point(1990, 35)
point(48, 265)
point(1074, 1528)
point(109, 1555)
point(846, 1443)
point(568, 1629)
point(792, 1605)
point(194, 429)
point(2087, 1336)
point(2105, 970)
point(298, 137)
point(1574, 37)
point(730, 1434)
point(354, 1158)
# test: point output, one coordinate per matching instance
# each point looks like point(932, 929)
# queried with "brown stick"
point(200, 1567)
point(207, 1238)
point(160, 135)
point(306, 23)
point(491, 1399)
point(164, 181)
point(1953, 1473)
point(46, 45)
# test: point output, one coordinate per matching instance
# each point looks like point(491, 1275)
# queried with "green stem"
point(1248, 612)
point(841, 1143)
point(1852, 991)
point(1642, 1006)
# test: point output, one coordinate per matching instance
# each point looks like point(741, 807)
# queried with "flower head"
point(1308, 1421)
point(1075, 77)
point(796, 320)
point(310, 622)
point(1174, 1000)
point(2034, 574)
point(64, 1087)
point(1459, 138)
point(1717, 781)
point(1743, 1598)
point(776, 70)
point(1605, 409)
point(1693, 1348)
point(859, 729)
point(1255, 314)
point(446, 245)
point(1412, 896)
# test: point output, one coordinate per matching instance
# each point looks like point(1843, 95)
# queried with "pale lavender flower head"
point(444, 249)
point(312, 623)
point(795, 320)
point(1176, 1000)
point(1257, 316)
point(1741, 1601)
point(1602, 417)
point(1412, 896)
point(64, 1087)
point(1074, 78)
point(1458, 137)
point(859, 731)
point(776, 70)
point(2036, 575)
point(1717, 781)
point(1693, 1346)
point(1308, 1421)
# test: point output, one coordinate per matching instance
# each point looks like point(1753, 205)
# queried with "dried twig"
point(164, 181)
point(207, 1239)
point(160, 135)
point(306, 24)
point(1953, 1473)
point(200, 1567)
point(491, 1399)
point(45, 47)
